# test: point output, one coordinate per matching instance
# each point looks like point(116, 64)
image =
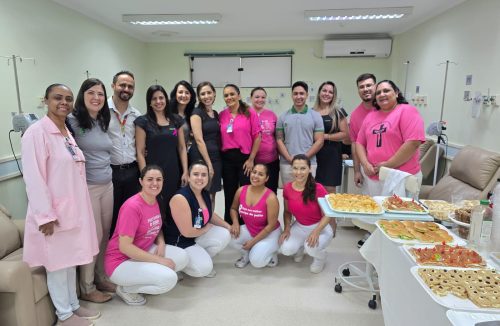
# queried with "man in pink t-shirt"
point(366, 90)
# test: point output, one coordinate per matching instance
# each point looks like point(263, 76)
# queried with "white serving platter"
point(349, 212)
point(456, 239)
point(380, 200)
point(451, 216)
point(463, 318)
point(450, 301)
point(406, 249)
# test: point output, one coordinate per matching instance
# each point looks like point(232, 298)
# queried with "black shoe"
point(361, 243)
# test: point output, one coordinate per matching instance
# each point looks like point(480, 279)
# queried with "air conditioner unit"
point(378, 47)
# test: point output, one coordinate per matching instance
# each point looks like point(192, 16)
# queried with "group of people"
point(99, 168)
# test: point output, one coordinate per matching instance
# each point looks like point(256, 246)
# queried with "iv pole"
point(407, 63)
point(440, 122)
point(14, 61)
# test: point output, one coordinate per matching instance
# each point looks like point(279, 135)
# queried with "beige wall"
point(167, 64)
point(469, 35)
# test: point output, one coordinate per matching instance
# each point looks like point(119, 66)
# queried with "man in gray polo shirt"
point(298, 131)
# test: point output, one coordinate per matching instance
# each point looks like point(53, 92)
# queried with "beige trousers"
point(101, 197)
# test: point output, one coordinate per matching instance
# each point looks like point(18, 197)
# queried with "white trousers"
point(298, 236)
point(207, 246)
point(262, 252)
point(287, 175)
point(101, 197)
point(150, 278)
point(62, 290)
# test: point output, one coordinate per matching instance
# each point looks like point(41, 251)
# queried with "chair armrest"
point(20, 223)
point(15, 278)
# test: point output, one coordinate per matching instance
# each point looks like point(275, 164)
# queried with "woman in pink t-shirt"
point(268, 150)
point(390, 136)
point(310, 232)
point(240, 137)
point(137, 259)
point(258, 206)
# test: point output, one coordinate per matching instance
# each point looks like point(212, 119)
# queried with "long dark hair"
point(400, 99)
point(198, 91)
point(174, 104)
point(81, 112)
point(243, 108)
point(309, 193)
point(150, 113)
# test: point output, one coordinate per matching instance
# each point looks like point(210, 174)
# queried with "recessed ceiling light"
point(194, 19)
point(357, 14)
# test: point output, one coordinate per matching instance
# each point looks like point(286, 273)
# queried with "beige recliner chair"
point(24, 297)
point(473, 173)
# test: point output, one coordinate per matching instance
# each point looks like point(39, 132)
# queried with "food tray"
point(439, 209)
point(380, 200)
point(357, 213)
point(406, 249)
point(462, 318)
point(450, 301)
point(456, 239)
point(451, 216)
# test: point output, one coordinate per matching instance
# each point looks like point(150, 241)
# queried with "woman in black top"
point(194, 226)
point(159, 139)
point(206, 133)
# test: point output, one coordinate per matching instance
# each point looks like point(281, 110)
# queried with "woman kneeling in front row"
point(137, 259)
point(258, 206)
point(195, 227)
point(310, 232)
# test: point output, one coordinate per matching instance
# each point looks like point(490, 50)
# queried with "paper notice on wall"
point(476, 105)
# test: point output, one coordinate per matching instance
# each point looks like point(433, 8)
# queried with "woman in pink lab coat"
point(60, 229)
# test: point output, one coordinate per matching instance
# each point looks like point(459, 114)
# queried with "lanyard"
point(122, 122)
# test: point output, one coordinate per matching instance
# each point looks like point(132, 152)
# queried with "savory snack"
point(354, 203)
point(396, 203)
point(482, 286)
point(439, 209)
point(450, 256)
point(424, 232)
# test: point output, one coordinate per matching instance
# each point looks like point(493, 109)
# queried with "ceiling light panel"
point(357, 14)
point(194, 19)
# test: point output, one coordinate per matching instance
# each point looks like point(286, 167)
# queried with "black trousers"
point(233, 177)
point(125, 185)
point(274, 175)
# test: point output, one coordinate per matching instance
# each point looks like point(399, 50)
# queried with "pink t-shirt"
point(268, 150)
point(383, 133)
point(137, 219)
point(244, 130)
point(357, 117)
point(255, 216)
point(309, 213)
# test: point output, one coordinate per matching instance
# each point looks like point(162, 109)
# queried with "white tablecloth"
point(404, 301)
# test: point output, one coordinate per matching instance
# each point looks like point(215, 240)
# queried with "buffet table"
point(404, 301)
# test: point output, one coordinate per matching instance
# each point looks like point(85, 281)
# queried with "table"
point(367, 276)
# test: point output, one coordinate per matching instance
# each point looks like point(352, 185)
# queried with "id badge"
point(229, 128)
point(198, 221)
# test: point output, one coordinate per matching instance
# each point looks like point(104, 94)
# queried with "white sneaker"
point(299, 256)
point(211, 274)
point(317, 265)
point(132, 299)
point(274, 261)
point(243, 261)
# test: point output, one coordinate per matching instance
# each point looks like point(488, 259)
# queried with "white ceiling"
point(252, 19)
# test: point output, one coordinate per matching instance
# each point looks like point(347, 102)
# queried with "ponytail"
point(309, 193)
